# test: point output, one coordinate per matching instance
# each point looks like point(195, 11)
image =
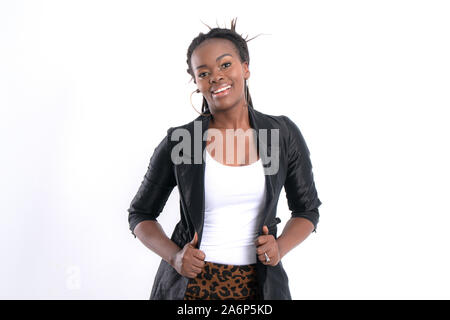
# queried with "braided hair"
point(230, 34)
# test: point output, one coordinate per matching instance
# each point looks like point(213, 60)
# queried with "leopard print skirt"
point(223, 282)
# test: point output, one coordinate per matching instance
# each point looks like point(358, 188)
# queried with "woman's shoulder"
point(281, 121)
point(189, 125)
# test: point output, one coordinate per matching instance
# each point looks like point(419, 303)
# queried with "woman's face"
point(216, 63)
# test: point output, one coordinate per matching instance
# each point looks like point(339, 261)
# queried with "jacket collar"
point(191, 176)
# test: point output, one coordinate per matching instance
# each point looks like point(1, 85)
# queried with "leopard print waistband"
point(223, 282)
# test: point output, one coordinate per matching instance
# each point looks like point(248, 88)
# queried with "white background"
point(88, 89)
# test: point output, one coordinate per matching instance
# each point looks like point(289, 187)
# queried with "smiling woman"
point(225, 245)
point(221, 79)
point(229, 56)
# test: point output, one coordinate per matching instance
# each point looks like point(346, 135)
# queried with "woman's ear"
point(246, 70)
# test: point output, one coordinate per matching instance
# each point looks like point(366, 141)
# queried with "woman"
point(225, 245)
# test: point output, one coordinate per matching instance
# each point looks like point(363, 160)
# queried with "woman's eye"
point(228, 64)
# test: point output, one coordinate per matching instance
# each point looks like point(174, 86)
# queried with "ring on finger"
point(267, 257)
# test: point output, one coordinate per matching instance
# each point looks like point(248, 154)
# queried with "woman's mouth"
point(221, 92)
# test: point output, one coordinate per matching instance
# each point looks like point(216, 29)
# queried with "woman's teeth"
point(222, 89)
point(222, 92)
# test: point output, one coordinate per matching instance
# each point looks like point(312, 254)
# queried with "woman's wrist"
point(172, 258)
point(281, 248)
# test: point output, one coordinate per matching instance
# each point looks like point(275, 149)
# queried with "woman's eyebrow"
point(217, 59)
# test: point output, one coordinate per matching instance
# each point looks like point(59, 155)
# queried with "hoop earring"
point(200, 113)
point(246, 92)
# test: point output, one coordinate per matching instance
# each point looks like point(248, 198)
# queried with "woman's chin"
point(223, 106)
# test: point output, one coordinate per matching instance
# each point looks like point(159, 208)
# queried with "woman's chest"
point(232, 147)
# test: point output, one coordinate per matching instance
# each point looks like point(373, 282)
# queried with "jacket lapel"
point(258, 122)
point(191, 176)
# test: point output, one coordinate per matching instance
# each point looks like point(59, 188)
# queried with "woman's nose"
point(217, 76)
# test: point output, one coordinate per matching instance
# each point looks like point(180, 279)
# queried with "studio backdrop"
point(89, 88)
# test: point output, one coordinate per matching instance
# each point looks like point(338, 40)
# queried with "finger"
point(194, 240)
point(195, 253)
point(196, 270)
point(265, 230)
point(262, 258)
point(199, 254)
point(261, 240)
point(198, 263)
point(264, 248)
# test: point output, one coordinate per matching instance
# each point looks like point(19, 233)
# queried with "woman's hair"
point(230, 34)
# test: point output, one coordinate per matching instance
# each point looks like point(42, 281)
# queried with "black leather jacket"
point(294, 174)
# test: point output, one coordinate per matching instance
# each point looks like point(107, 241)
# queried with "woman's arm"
point(295, 231)
point(300, 188)
point(155, 188)
point(152, 235)
point(149, 202)
point(187, 261)
point(302, 198)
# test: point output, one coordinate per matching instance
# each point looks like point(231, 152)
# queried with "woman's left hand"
point(267, 243)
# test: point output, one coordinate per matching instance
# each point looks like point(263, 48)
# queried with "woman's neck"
point(233, 119)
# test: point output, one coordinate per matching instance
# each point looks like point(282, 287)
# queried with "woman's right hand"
point(189, 261)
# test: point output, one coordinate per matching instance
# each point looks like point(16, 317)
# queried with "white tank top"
point(233, 202)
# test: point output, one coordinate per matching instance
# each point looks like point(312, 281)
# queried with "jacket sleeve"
point(299, 185)
point(155, 188)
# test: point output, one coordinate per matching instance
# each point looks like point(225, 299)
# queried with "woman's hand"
point(189, 261)
point(269, 245)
